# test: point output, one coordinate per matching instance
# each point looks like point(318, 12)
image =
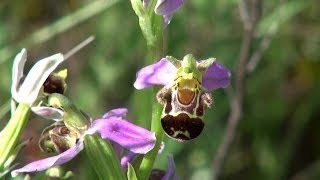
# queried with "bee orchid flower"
point(186, 92)
point(111, 126)
point(27, 91)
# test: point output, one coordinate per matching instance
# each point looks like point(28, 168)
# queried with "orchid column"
point(154, 16)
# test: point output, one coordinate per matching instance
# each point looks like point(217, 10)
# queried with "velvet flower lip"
point(27, 91)
point(164, 72)
point(165, 8)
point(111, 126)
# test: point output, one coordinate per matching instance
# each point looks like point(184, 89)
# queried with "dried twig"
point(236, 101)
point(264, 44)
point(79, 47)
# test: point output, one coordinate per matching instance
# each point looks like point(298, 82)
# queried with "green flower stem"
point(11, 133)
point(148, 160)
point(152, 29)
point(146, 97)
point(103, 158)
point(150, 23)
point(151, 6)
point(155, 53)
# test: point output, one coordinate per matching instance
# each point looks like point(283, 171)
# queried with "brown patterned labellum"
point(184, 107)
point(182, 127)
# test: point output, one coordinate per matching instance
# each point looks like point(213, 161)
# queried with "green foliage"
point(103, 158)
point(131, 174)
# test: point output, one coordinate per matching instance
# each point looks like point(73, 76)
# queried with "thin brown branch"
point(264, 44)
point(238, 97)
point(244, 14)
point(79, 47)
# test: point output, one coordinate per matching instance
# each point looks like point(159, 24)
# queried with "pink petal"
point(48, 112)
point(171, 170)
point(167, 7)
point(44, 164)
point(119, 112)
point(160, 73)
point(126, 134)
point(127, 159)
point(216, 76)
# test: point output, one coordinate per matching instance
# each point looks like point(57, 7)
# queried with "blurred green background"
point(278, 135)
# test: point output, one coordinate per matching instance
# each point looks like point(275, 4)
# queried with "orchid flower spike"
point(111, 126)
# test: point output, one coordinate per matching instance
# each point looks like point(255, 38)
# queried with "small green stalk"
point(148, 160)
point(150, 23)
point(155, 52)
point(152, 29)
point(11, 133)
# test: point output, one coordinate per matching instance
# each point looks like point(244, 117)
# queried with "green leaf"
point(131, 174)
point(11, 133)
point(103, 158)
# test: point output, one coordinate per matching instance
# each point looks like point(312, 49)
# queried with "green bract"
point(73, 118)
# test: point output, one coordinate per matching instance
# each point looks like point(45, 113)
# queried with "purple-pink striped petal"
point(216, 76)
point(167, 7)
point(160, 73)
point(126, 134)
point(46, 163)
point(119, 112)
